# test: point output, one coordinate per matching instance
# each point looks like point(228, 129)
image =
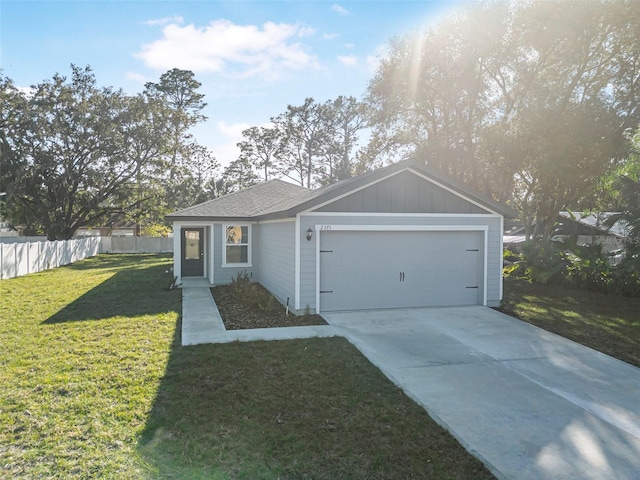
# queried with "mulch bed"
point(238, 315)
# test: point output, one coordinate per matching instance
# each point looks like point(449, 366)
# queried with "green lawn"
point(607, 323)
point(84, 349)
point(94, 384)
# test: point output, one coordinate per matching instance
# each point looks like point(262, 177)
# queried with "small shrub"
point(541, 261)
point(588, 268)
point(627, 277)
point(512, 265)
point(264, 302)
point(584, 267)
point(241, 286)
point(243, 290)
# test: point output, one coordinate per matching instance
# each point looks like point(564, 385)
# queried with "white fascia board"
point(279, 220)
point(194, 223)
point(404, 215)
point(403, 228)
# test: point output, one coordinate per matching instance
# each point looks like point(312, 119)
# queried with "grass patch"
point(313, 408)
point(84, 348)
point(95, 385)
point(607, 323)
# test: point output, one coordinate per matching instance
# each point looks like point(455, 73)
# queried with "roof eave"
point(198, 218)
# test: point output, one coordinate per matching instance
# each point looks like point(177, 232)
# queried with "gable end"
point(405, 192)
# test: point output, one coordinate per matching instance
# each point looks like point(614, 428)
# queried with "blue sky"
point(252, 58)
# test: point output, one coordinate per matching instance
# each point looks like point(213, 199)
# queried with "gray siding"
point(308, 249)
point(223, 275)
point(402, 193)
point(276, 251)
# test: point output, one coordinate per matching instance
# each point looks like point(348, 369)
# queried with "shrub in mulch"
point(244, 304)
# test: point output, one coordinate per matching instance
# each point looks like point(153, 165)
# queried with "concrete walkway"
point(530, 404)
point(201, 321)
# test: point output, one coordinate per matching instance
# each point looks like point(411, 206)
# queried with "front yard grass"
point(608, 323)
point(84, 348)
point(94, 384)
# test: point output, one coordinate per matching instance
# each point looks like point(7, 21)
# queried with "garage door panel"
point(363, 270)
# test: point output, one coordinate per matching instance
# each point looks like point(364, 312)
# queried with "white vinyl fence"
point(137, 245)
point(21, 258)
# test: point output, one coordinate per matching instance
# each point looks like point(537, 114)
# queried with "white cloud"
point(349, 60)
point(226, 150)
point(329, 36)
point(224, 47)
point(232, 130)
point(349, 45)
point(136, 77)
point(163, 21)
point(306, 31)
point(339, 9)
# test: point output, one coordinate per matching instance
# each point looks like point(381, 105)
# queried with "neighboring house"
point(588, 228)
point(115, 226)
point(401, 236)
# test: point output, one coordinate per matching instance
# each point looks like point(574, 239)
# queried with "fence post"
point(15, 260)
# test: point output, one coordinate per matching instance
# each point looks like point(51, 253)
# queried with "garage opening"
point(399, 269)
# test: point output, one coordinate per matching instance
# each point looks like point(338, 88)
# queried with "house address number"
point(325, 227)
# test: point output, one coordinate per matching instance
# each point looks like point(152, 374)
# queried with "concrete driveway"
point(528, 403)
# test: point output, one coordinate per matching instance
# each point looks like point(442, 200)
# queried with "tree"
point(202, 166)
point(261, 148)
point(345, 119)
point(11, 164)
point(627, 185)
point(238, 175)
point(305, 133)
point(528, 101)
point(75, 150)
point(178, 89)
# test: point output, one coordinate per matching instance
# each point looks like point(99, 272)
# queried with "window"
point(236, 247)
point(192, 245)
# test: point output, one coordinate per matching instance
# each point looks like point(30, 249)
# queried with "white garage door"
point(365, 270)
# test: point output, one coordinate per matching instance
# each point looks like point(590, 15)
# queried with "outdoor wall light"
point(309, 234)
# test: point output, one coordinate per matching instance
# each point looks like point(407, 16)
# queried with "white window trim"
point(249, 244)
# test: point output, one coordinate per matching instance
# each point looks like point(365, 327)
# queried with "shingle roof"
point(277, 198)
point(245, 203)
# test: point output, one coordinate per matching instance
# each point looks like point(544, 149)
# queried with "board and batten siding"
point(402, 193)
point(308, 249)
point(276, 254)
